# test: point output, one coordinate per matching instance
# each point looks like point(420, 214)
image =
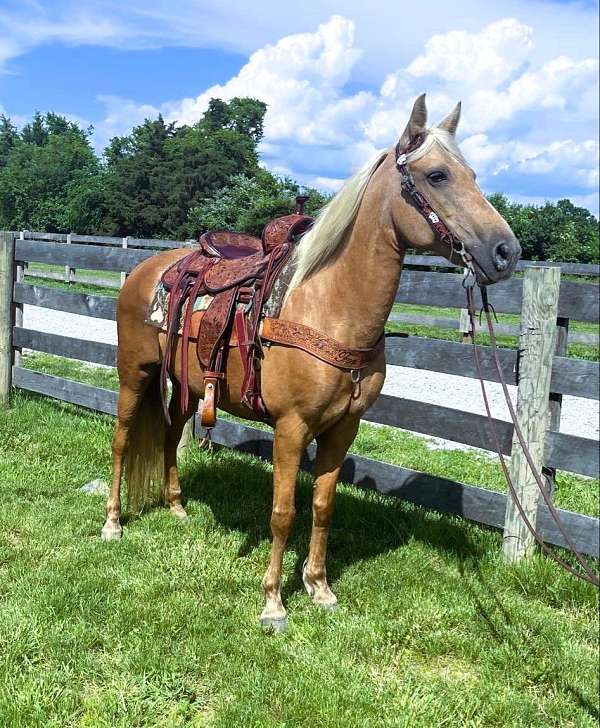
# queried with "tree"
point(243, 115)
point(49, 176)
point(156, 174)
point(558, 231)
point(139, 174)
point(247, 203)
point(8, 138)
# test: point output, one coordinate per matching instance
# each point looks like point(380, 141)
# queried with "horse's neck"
point(350, 298)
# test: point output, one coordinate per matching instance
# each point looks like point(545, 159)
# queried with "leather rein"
point(458, 250)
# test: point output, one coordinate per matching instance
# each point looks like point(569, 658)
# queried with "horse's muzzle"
point(505, 254)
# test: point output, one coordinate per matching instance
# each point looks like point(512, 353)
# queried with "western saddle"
point(237, 273)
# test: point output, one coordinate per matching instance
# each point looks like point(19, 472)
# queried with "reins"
point(457, 249)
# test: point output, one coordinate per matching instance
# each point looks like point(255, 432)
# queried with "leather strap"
point(208, 416)
point(318, 344)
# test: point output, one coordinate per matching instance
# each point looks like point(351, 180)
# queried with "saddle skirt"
point(215, 296)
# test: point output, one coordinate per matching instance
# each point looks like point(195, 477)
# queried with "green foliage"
point(558, 231)
point(242, 115)
point(9, 136)
point(50, 178)
point(247, 203)
point(159, 171)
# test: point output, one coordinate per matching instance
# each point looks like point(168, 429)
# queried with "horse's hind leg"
point(332, 446)
point(131, 392)
point(172, 492)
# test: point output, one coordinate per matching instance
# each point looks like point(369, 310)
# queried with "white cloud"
point(317, 133)
point(472, 59)
point(298, 76)
point(558, 83)
point(529, 90)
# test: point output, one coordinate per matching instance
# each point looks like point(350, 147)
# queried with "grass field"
point(161, 629)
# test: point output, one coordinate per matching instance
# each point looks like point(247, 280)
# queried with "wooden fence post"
point(69, 272)
point(7, 257)
point(464, 326)
point(562, 340)
point(541, 288)
point(124, 244)
point(18, 307)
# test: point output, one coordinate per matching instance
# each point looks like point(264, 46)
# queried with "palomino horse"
point(347, 270)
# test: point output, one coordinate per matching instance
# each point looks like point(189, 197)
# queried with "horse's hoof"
point(110, 533)
point(330, 606)
point(178, 511)
point(277, 624)
point(328, 601)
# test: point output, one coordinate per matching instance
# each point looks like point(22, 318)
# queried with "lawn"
point(161, 628)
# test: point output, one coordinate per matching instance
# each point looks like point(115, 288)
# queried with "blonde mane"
point(327, 234)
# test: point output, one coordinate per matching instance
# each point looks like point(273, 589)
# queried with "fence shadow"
point(239, 493)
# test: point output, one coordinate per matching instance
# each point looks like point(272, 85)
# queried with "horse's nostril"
point(502, 256)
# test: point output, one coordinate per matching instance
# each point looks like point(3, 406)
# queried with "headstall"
point(457, 248)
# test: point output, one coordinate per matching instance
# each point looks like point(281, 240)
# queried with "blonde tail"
point(145, 453)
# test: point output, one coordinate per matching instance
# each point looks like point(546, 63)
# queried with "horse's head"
point(445, 181)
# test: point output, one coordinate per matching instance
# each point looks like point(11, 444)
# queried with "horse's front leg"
point(291, 437)
point(332, 446)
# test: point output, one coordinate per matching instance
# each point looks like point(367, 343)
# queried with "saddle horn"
point(301, 200)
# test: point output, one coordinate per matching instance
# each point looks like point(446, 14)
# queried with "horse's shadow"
point(239, 492)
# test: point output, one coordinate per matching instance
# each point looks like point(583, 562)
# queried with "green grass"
point(73, 287)
point(161, 629)
point(49, 267)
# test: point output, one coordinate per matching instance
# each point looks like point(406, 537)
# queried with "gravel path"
point(579, 416)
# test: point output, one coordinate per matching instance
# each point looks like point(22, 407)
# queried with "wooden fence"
point(70, 275)
point(567, 376)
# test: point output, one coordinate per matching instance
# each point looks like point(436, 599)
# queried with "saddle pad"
point(159, 306)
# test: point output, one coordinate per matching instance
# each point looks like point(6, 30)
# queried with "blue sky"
point(339, 78)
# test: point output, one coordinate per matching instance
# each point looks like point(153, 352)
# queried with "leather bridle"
point(458, 250)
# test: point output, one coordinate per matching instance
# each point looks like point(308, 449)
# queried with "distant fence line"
point(577, 301)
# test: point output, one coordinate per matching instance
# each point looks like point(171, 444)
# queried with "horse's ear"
point(450, 123)
point(417, 123)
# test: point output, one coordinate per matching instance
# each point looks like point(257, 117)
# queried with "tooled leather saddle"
point(237, 273)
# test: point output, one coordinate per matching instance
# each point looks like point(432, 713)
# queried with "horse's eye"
point(437, 177)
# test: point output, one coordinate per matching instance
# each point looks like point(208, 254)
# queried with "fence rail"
point(445, 322)
point(577, 269)
point(578, 301)
point(422, 261)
